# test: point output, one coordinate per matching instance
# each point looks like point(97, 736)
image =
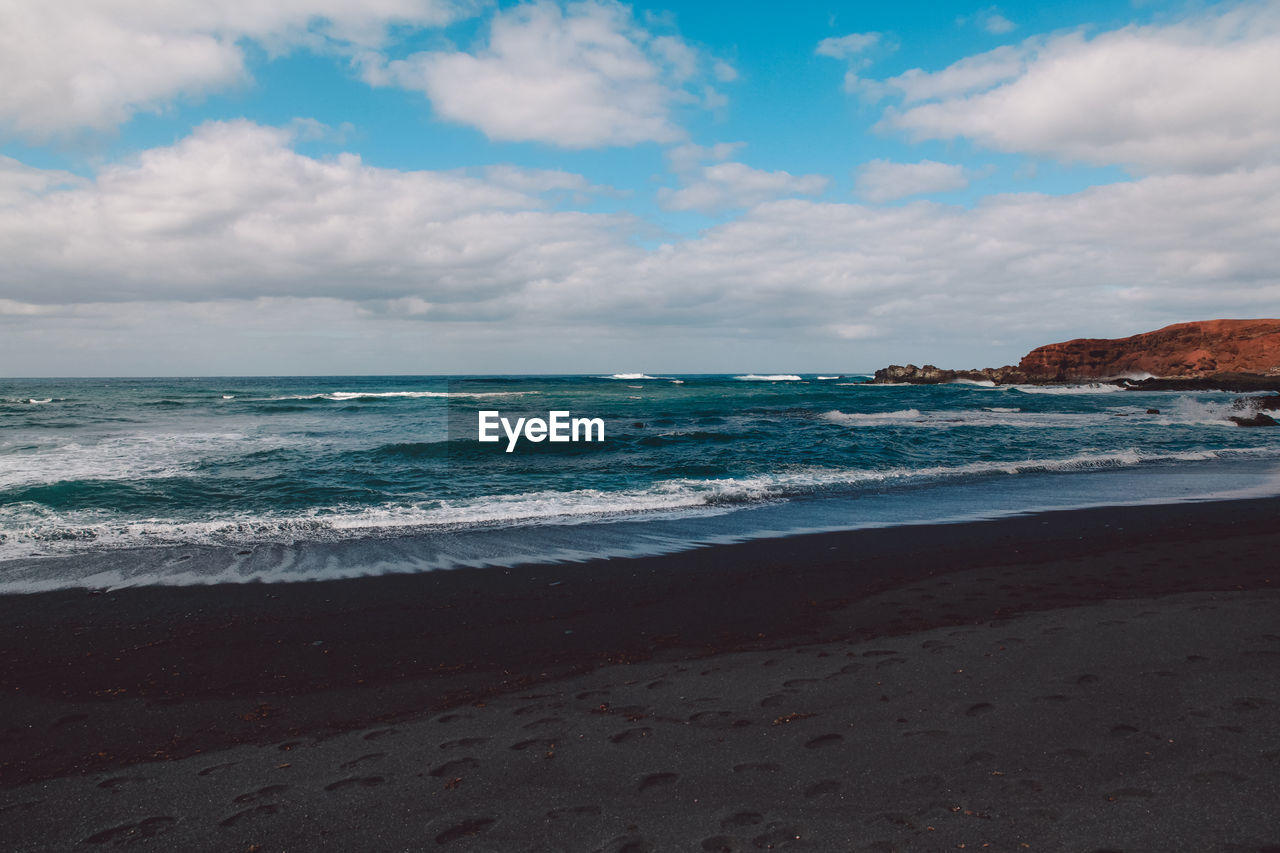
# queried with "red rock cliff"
point(1180, 350)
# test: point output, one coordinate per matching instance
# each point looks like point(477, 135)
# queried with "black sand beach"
point(1103, 679)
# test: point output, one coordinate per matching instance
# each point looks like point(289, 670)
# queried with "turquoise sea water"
point(135, 481)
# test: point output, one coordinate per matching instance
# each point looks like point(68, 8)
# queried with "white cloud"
point(736, 185)
point(998, 24)
point(843, 47)
point(232, 210)
point(76, 64)
point(687, 157)
point(1193, 96)
point(883, 180)
point(724, 72)
point(973, 73)
point(582, 77)
point(234, 223)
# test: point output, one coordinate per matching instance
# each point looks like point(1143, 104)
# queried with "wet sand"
point(1088, 680)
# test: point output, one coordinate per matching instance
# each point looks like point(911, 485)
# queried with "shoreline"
point(208, 667)
point(1102, 678)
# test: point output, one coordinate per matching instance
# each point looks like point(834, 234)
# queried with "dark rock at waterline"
point(931, 375)
point(1255, 420)
point(1260, 403)
point(1153, 411)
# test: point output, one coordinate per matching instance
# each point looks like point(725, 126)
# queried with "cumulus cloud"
point(76, 64)
point(580, 77)
point(232, 210)
point(232, 218)
point(883, 180)
point(736, 185)
point(843, 47)
point(1191, 96)
point(997, 24)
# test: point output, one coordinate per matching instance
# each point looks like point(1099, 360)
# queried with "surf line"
point(559, 426)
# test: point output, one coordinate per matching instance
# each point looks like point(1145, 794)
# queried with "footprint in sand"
point(453, 718)
point(465, 742)
point(379, 734)
point(656, 780)
point(627, 844)
point(543, 723)
point(778, 835)
point(469, 828)
point(455, 768)
point(820, 789)
point(823, 741)
point(721, 844)
point(739, 819)
point(572, 812)
point(130, 832)
point(121, 781)
point(979, 709)
point(355, 782)
point(631, 735)
point(216, 768)
point(364, 759)
point(535, 743)
point(757, 767)
point(260, 794)
point(264, 810)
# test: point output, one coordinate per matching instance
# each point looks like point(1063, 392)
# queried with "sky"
point(279, 187)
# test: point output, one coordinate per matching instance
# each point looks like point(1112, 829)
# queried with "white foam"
point(1091, 388)
point(634, 376)
point(360, 395)
point(985, 417)
point(831, 377)
point(860, 418)
point(130, 457)
point(775, 377)
point(34, 530)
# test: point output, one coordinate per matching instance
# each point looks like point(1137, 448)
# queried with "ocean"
point(107, 483)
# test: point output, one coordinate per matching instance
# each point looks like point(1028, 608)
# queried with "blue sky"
point(428, 186)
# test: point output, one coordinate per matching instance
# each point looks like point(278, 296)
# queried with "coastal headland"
point(1229, 355)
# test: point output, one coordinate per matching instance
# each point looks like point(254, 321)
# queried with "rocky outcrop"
point(1252, 408)
point(897, 374)
point(1183, 350)
point(1233, 355)
point(1257, 419)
